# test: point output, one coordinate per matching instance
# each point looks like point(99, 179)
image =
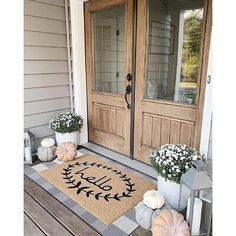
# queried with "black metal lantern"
point(29, 147)
point(199, 209)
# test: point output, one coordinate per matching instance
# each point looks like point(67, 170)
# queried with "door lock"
point(129, 77)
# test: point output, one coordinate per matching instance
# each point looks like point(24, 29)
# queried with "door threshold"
point(121, 159)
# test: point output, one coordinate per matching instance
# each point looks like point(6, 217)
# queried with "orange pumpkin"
point(170, 223)
point(66, 151)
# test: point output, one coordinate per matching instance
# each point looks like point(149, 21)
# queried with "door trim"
point(132, 112)
point(79, 73)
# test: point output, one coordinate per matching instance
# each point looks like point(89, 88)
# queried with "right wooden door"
point(171, 64)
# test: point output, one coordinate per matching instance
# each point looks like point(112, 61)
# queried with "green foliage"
point(191, 45)
point(190, 69)
point(66, 123)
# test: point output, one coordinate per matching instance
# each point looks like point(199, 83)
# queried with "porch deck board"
point(141, 232)
point(50, 206)
point(31, 228)
point(44, 220)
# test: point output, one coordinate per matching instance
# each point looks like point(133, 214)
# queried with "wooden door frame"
point(79, 72)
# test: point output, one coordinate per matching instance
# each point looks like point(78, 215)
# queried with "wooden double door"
point(146, 65)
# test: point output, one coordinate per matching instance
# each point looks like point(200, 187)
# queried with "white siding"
point(39, 24)
point(46, 82)
point(44, 39)
point(36, 107)
point(44, 10)
point(60, 3)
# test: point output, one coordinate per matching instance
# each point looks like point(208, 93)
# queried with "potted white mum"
point(66, 127)
point(171, 161)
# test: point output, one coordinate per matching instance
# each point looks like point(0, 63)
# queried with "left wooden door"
point(108, 27)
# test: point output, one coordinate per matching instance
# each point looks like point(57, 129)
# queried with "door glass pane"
point(174, 38)
point(109, 49)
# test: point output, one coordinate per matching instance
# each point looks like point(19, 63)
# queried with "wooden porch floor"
point(45, 215)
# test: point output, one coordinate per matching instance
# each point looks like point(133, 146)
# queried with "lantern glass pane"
point(206, 218)
point(183, 199)
point(206, 197)
point(202, 210)
point(26, 143)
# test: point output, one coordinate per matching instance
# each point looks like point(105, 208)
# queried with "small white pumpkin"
point(145, 215)
point(46, 153)
point(48, 142)
point(153, 199)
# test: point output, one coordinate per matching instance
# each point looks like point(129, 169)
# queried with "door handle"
point(128, 90)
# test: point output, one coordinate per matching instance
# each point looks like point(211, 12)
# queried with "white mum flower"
point(195, 157)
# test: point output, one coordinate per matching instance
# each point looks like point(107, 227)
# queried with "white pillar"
point(79, 72)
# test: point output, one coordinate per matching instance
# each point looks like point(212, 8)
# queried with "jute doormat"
point(104, 190)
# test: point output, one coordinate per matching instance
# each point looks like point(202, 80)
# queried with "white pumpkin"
point(46, 153)
point(145, 215)
point(153, 199)
point(48, 142)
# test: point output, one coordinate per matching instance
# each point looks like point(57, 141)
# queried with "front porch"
point(47, 210)
point(125, 81)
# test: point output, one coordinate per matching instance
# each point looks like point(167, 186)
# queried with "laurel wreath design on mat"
point(88, 191)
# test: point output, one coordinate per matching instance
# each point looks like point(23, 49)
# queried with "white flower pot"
point(170, 192)
point(66, 137)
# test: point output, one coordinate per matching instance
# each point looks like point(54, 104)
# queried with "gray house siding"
point(46, 80)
